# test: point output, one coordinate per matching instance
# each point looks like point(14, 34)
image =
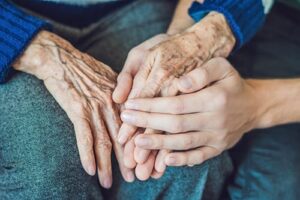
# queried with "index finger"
point(182, 141)
point(182, 104)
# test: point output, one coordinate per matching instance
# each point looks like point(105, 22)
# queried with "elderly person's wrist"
point(43, 56)
point(215, 33)
point(32, 58)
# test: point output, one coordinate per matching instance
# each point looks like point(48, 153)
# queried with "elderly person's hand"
point(202, 124)
point(154, 72)
point(83, 87)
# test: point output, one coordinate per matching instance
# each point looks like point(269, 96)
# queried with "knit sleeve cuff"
point(16, 30)
point(244, 17)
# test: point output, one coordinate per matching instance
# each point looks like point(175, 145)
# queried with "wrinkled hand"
point(83, 87)
point(157, 75)
point(205, 123)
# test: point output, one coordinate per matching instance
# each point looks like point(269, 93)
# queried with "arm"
point(71, 77)
point(175, 55)
point(244, 17)
point(279, 101)
point(82, 86)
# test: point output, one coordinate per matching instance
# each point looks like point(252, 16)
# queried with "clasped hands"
point(174, 91)
point(158, 67)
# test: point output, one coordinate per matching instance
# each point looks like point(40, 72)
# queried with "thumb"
point(212, 71)
point(125, 78)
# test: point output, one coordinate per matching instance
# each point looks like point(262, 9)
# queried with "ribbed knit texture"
point(244, 17)
point(16, 30)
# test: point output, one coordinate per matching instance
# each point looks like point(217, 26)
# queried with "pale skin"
point(216, 108)
point(152, 69)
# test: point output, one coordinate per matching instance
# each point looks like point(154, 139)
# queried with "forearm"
point(279, 101)
point(181, 19)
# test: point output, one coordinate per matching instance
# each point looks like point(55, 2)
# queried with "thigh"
point(203, 181)
point(38, 154)
point(267, 161)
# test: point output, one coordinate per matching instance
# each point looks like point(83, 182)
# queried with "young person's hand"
point(156, 74)
point(83, 88)
point(201, 124)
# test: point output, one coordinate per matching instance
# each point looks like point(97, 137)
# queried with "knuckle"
point(79, 108)
point(221, 99)
point(178, 125)
point(86, 141)
point(158, 143)
point(152, 90)
point(103, 144)
point(134, 52)
point(221, 122)
point(178, 106)
point(188, 142)
point(221, 137)
point(120, 77)
point(203, 76)
point(143, 121)
point(221, 60)
point(201, 157)
point(108, 100)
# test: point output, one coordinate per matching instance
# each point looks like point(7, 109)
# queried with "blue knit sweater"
point(18, 28)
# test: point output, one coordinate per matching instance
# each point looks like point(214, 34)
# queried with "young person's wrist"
point(276, 101)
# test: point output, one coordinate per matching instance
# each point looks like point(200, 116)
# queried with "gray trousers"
point(38, 153)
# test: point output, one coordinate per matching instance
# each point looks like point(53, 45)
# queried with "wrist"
point(277, 101)
point(41, 56)
point(216, 33)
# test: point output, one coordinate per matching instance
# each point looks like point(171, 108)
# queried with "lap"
point(39, 157)
point(38, 153)
point(267, 161)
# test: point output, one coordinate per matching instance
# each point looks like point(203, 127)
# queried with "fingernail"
point(106, 183)
point(185, 82)
point(130, 177)
point(91, 170)
point(130, 105)
point(126, 117)
point(143, 141)
point(170, 161)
